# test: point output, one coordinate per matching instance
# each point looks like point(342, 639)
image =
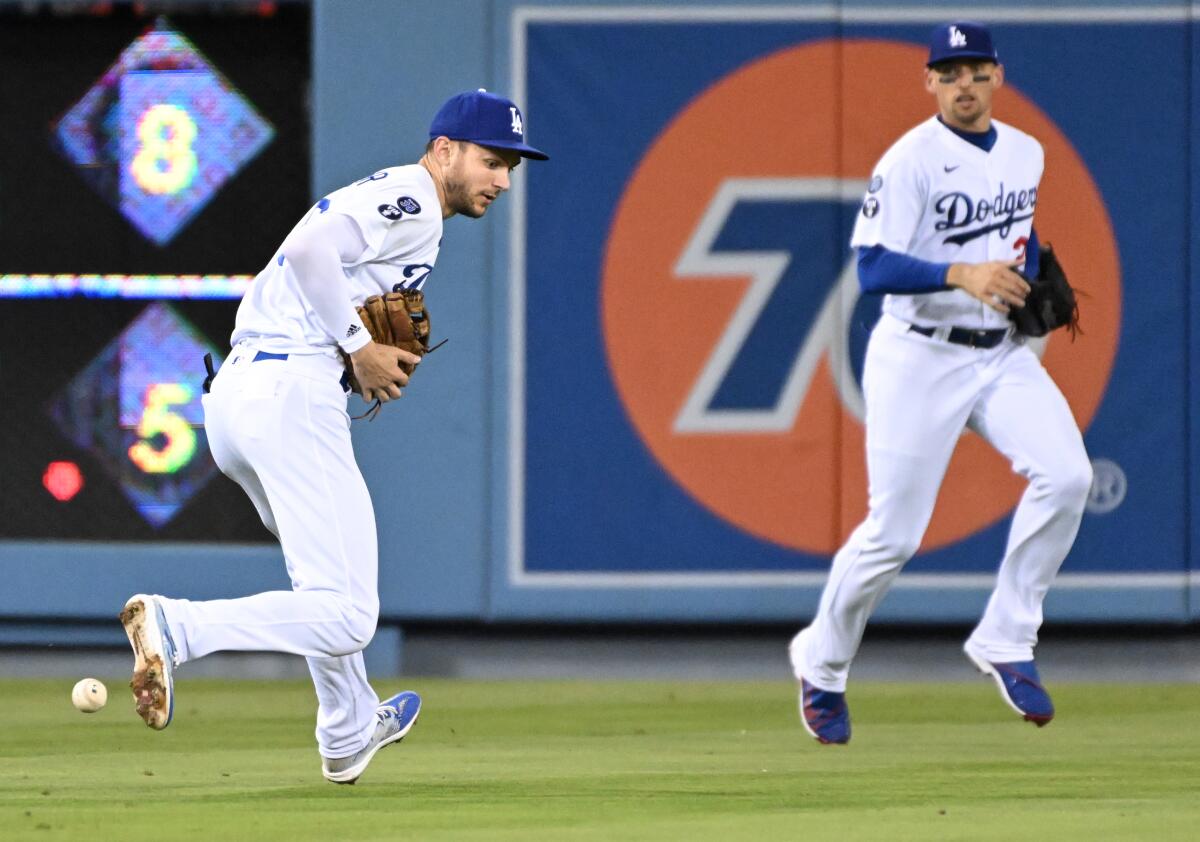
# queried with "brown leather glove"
point(398, 319)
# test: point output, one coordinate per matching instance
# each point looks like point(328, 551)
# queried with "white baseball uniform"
point(277, 425)
point(938, 197)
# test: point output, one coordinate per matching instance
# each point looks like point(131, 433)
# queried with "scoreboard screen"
point(153, 156)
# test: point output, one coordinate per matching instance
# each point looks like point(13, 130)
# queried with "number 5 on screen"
point(158, 421)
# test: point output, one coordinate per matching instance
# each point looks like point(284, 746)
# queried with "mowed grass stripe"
point(578, 760)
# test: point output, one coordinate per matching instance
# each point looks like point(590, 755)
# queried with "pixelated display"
point(125, 286)
point(63, 480)
point(142, 161)
point(163, 157)
point(136, 409)
point(174, 127)
point(135, 145)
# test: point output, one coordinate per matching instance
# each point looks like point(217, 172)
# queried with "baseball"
point(89, 695)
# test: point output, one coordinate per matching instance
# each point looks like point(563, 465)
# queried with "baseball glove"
point(398, 319)
point(1051, 303)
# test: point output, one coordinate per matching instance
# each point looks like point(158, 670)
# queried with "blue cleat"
point(154, 660)
point(394, 719)
point(1020, 686)
point(824, 714)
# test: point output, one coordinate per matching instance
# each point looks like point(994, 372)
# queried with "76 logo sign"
point(775, 231)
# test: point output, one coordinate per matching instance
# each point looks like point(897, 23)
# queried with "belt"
point(967, 336)
point(267, 355)
point(259, 357)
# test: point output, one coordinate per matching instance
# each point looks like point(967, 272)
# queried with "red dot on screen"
point(63, 480)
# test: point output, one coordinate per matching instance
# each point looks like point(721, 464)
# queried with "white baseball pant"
point(279, 428)
point(920, 393)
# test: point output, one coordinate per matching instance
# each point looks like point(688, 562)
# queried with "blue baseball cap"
point(484, 118)
point(962, 39)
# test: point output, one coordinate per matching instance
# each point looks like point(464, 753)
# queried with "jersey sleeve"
point(892, 207)
point(889, 272)
point(378, 205)
point(315, 252)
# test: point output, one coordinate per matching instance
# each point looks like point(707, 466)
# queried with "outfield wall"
point(613, 432)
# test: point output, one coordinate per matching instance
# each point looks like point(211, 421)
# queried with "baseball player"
point(945, 230)
point(277, 425)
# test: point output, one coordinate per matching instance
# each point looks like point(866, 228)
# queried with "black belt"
point(967, 336)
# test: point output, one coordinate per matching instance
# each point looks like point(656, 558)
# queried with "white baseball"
point(89, 695)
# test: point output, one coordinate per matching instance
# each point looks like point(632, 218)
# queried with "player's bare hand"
point(995, 283)
point(377, 368)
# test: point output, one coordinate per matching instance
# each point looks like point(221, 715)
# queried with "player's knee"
point(1070, 486)
point(895, 549)
point(1079, 484)
point(897, 542)
point(904, 547)
point(355, 629)
point(360, 625)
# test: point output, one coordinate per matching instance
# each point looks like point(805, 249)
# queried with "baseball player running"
point(945, 229)
point(277, 425)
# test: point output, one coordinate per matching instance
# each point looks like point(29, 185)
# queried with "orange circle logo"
point(730, 351)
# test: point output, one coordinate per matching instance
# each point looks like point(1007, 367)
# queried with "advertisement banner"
point(688, 331)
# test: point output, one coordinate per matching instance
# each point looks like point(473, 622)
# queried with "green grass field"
point(607, 761)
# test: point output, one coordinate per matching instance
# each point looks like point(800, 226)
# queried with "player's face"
point(964, 92)
point(476, 176)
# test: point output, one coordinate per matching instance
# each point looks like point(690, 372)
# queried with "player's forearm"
point(883, 271)
point(316, 260)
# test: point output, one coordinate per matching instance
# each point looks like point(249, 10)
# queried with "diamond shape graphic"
point(136, 408)
point(160, 132)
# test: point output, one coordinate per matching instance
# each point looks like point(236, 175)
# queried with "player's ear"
point(443, 149)
point(931, 80)
point(998, 77)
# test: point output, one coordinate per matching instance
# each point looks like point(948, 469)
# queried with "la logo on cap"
point(957, 39)
point(517, 126)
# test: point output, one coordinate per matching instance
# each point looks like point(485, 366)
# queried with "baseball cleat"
point(1020, 686)
point(154, 660)
point(394, 719)
point(824, 714)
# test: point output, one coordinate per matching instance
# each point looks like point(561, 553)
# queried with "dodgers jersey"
point(940, 198)
point(400, 218)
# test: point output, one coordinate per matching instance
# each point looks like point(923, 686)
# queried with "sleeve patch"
point(404, 205)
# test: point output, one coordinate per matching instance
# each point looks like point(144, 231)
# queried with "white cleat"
point(394, 719)
point(154, 660)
